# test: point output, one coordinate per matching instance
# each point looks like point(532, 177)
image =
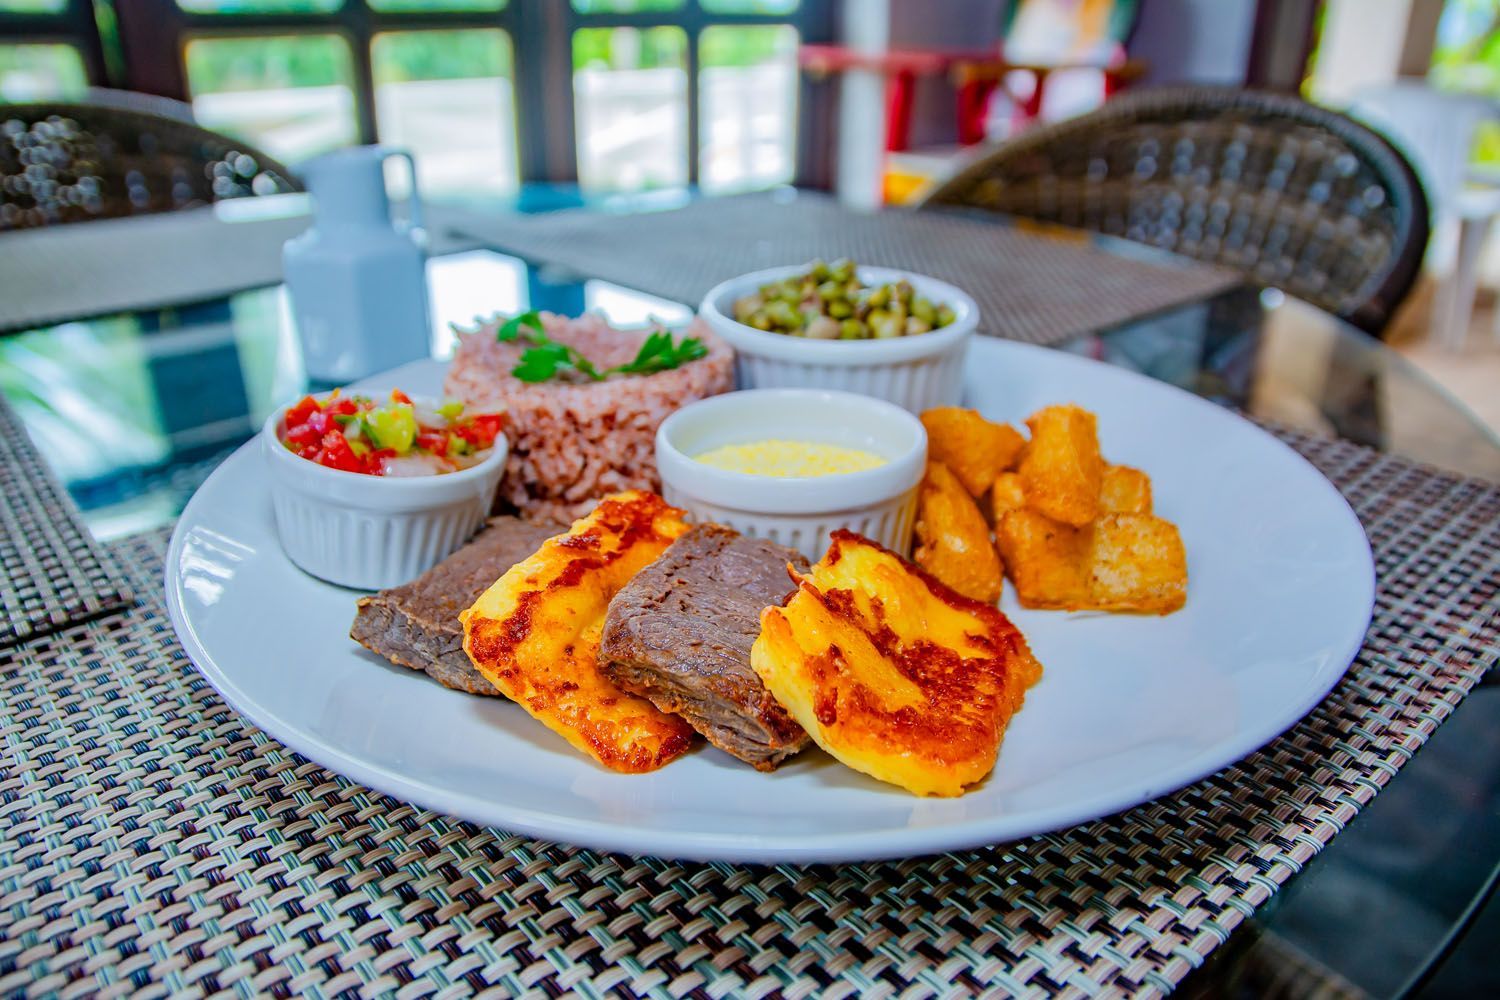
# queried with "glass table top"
point(134, 410)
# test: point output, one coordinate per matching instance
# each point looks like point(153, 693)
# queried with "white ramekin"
point(372, 532)
point(799, 512)
point(916, 373)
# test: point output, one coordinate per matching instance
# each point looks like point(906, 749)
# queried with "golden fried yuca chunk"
point(1006, 494)
point(973, 448)
point(1136, 562)
point(1124, 490)
point(1046, 559)
point(1061, 469)
point(953, 542)
point(534, 633)
point(893, 673)
point(1121, 562)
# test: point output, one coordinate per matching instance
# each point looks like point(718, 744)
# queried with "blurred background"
point(535, 103)
point(875, 97)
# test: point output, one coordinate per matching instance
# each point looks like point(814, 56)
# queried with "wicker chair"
point(63, 163)
point(1291, 195)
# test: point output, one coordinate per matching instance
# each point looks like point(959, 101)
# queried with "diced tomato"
point(482, 429)
point(343, 405)
point(433, 441)
point(303, 436)
point(397, 396)
point(299, 413)
point(338, 455)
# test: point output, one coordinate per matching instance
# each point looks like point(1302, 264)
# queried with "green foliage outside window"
point(216, 65)
point(629, 48)
point(746, 45)
point(402, 56)
point(260, 6)
point(41, 72)
point(624, 6)
point(32, 6)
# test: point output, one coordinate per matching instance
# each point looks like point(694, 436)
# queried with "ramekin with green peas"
point(881, 332)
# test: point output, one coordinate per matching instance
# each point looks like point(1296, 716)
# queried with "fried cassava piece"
point(1061, 469)
point(1119, 562)
point(893, 673)
point(534, 634)
point(973, 448)
point(953, 542)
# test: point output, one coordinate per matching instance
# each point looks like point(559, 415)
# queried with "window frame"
point(151, 42)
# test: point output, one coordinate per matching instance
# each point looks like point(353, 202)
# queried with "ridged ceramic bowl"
point(916, 372)
point(372, 532)
point(798, 512)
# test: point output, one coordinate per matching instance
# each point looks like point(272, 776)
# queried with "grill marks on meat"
point(680, 634)
point(416, 624)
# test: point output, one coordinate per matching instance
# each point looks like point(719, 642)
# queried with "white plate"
point(1280, 593)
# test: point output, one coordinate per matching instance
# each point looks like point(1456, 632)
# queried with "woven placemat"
point(52, 571)
point(151, 840)
point(1038, 288)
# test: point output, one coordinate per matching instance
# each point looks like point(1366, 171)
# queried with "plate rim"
point(882, 844)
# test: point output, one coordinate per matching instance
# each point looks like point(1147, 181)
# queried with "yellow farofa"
point(780, 458)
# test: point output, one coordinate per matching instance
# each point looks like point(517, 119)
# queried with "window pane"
point(447, 96)
point(630, 101)
point(260, 6)
point(750, 6)
point(747, 106)
point(291, 95)
point(421, 6)
point(32, 6)
point(41, 72)
point(623, 6)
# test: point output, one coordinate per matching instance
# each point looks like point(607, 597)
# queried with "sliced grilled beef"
point(680, 634)
point(416, 624)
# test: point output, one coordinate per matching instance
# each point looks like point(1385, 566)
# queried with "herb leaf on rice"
point(548, 359)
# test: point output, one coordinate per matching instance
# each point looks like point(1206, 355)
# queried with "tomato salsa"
point(393, 438)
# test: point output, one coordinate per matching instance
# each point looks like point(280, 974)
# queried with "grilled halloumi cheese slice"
point(893, 673)
point(535, 632)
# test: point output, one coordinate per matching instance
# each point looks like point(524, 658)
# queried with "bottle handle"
point(414, 211)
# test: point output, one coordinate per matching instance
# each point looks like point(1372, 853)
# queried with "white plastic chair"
point(1435, 130)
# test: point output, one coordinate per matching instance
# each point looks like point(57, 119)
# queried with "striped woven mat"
point(52, 572)
point(151, 841)
point(1042, 289)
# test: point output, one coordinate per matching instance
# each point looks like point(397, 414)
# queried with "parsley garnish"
point(546, 358)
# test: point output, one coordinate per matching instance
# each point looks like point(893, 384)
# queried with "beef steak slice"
point(416, 624)
point(680, 633)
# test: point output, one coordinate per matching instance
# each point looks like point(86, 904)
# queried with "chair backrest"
point(62, 163)
point(1291, 195)
point(1433, 129)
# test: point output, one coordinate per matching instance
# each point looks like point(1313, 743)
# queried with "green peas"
point(823, 328)
point(827, 301)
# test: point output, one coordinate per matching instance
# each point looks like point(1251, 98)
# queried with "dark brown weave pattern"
point(1289, 194)
point(52, 572)
point(150, 840)
point(64, 163)
point(1038, 288)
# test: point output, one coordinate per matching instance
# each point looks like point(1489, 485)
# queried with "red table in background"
point(975, 74)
